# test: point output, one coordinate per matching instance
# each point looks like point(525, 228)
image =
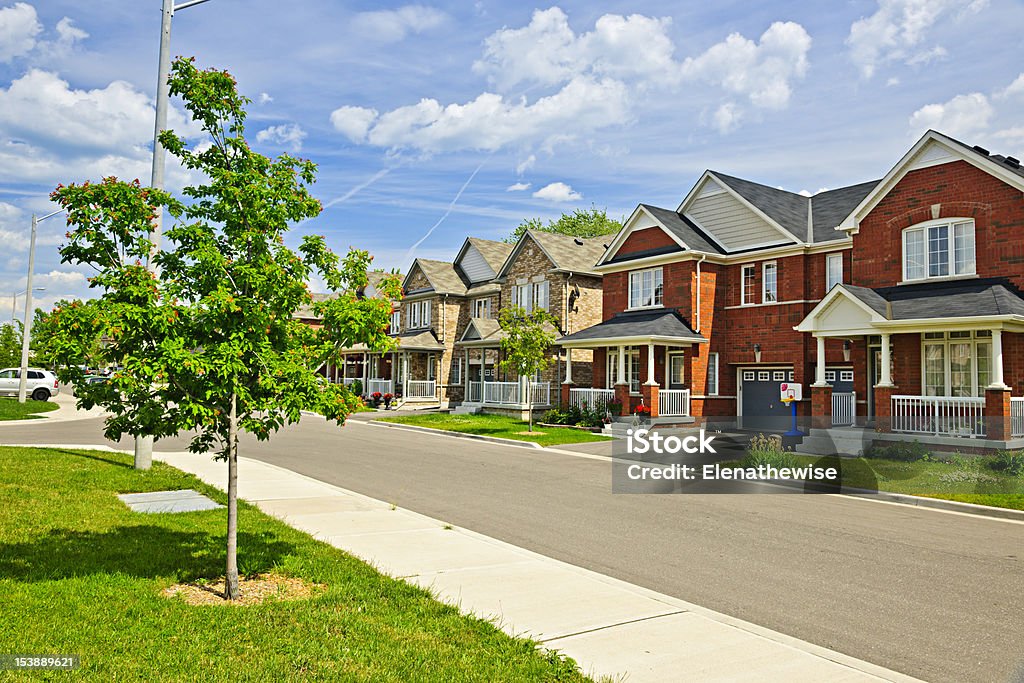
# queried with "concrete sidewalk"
point(610, 627)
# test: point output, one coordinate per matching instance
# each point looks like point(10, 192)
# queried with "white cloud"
point(265, 98)
point(60, 279)
point(353, 122)
point(288, 135)
point(391, 26)
point(963, 115)
point(526, 164)
point(558, 192)
point(19, 27)
point(726, 118)
point(761, 71)
point(1014, 89)
point(893, 81)
point(895, 32)
point(517, 187)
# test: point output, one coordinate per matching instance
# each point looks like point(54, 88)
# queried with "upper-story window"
point(482, 308)
point(939, 249)
point(833, 270)
point(770, 282)
point(531, 295)
point(418, 315)
point(396, 322)
point(748, 285)
point(540, 295)
point(646, 289)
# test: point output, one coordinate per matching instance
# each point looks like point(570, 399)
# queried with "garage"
point(760, 407)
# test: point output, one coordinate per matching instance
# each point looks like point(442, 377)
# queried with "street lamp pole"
point(26, 333)
point(14, 302)
point(144, 442)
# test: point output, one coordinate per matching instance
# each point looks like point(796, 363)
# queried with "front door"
point(676, 371)
point(874, 377)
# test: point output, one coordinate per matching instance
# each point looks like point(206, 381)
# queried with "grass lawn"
point(10, 409)
point(966, 480)
point(81, 574)
point(497, 425)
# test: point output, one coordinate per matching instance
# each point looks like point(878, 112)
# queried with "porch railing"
point(939, 415)
point(673, 402)
point(1017, 416)
point(590, 398)
point(844, 408)
point(540, 393)
point(421, 388)
point(384, 386)
point(476, 390)
point(507, 393)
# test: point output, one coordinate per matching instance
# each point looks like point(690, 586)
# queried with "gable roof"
point(662, 324)
point(566, 253)
point(1006, 169)
point(441, 275)
point(685, 229)
point(494, 252)
point(482, 330)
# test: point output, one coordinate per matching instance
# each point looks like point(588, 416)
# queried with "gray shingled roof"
point(831, 207)
point(953, 299)
point(487, 329)
point(419, 341)
point(493, 252)
point(305, 312)
point(982, 152)
point(442, 276)
point(657, 323)
point(684, 229)
point(578, 255)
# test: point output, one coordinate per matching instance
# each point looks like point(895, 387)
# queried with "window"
point(770, 283)
point(676, 370)
point(396, 322)
point(522, 295)
point(632, 368)
point(748, 286)
point(540, 295)
point(482, 308)
point(418, 314)
point(712, 387)
point(645, 288)
point(456, 374)
point(830, 376)
point(779, 376)
point(764, 376)
point(748, 375)
point(833, 270)
point(957, 363)
point(431, 367)
point(939, 250)
point(846, 375)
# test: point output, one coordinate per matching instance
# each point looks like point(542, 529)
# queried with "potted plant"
point(388, 398)
point(376, 397)
point(642, 413)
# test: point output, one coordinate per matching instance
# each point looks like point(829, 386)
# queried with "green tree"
point(10, 346)
point(526, 345)
point(210, 344)
point(592, 222)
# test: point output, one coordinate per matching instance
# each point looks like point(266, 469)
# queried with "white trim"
point(842, 275)
point(743, 284)
point(654, 289)
point(724, 259)
point(630, 227)
point(764, 281)
point(668, 365)
point(924, 226)
point(628, 341)
point(717, 373)
point(774, 303)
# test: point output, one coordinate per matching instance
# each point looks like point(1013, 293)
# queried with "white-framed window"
point(939, 249)
point(676, 369)
point(779, 376)
point(646, 289)
point(846, 375)
point(482, 308)
point(431, 367)
point(833, 270)
point(522, 295)
point(456, 375)
point(956, 363)
point(413, 316)
point(540, 295)
point(748, 285)
point(830, 376)
point(712, 386)
point(770, 282)
point(790, 375)
point(396, 321)
point(764, 376)
point(418, 315)
point(748, 375)
point(632, 368)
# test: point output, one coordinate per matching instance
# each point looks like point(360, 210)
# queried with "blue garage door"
point(762, 409)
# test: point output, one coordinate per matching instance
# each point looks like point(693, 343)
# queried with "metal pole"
point(26, 334)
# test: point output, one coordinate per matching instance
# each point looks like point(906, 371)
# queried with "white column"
point(650, 365)
point(465, 375)
point(405, 374)
point(568, 366)
point(998, 381)
point(886, 378)
point(621, 379)
point(819, 374)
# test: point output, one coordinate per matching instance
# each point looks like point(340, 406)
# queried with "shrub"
point(1010, 462)
point(556, 417)
point(356, 388)
point(901, 451)
point(591, 417)
point(767, 450)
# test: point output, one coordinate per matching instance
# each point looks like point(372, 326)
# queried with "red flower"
point(643, 410)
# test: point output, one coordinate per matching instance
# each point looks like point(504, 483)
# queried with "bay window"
point(939, 249)
point(646, 289)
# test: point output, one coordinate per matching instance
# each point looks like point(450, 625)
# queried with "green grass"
point(10, 409)
point(81, 574)
point(966, 480)
point(497, 425)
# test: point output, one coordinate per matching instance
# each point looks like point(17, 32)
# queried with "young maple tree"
point(209, 342)
point(527, 344)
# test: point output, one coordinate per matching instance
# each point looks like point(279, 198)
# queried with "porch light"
point(757, 353)
point(846, 350)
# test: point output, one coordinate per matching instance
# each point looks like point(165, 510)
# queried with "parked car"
point(40, 385)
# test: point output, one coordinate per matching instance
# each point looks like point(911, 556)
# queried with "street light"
point(26, 334)
point(144, 442)
point(14, 301)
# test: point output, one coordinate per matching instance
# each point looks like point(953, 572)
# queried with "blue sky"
point(433, 121)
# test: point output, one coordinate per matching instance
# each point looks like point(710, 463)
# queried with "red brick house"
point(898, 300)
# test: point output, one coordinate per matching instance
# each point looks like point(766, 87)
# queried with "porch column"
point(405, 375)
point(819, 373)
point(621, 378)
point(886, 376)
point(650, 365)
point(465, 376)
point(565, 395)
point(568, 366)
point(997, 361)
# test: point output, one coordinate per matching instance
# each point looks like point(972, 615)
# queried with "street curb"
point(458, 435)
point(936, 503)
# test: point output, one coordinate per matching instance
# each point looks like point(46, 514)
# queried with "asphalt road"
point(936, 595)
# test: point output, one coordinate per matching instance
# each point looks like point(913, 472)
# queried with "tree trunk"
point(231, 590)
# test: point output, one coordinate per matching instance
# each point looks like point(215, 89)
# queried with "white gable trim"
point(908, 163)
point(631, 226)
point(465, 332)
point(811, 323)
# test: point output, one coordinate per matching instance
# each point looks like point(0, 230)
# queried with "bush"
point(1009, 462)
point(767, 450)
point(356, 388)
point(591, 417)
point(556, 417)
point(901, 451)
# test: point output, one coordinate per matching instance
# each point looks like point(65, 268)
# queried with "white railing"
point(347, 381)
point(590, 398)
point(939, 415)
point(501, 393)
point(1017, 416)
point(475, 392)
point(382, 385)
point(540, 393)
point(673, 402)
point(420, 388)
point(844, 408)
